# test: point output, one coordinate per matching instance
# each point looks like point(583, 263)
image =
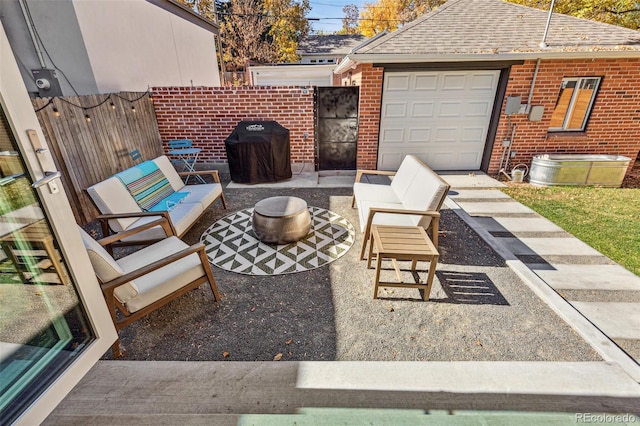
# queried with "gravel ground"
point(329, 313)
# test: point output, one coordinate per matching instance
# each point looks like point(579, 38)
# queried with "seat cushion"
point(182, 216)
point(405, 175)
point(111, 196)
point(105, 267)
point(426, 193)
point(205, 194)
point(385, 218)
point(372, 192)
point(164, 164)
point(151, 287)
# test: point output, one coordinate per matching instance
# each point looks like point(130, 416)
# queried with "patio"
point(507, 344)
point(479, 309)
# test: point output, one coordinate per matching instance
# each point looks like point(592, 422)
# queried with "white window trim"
point(567, 114)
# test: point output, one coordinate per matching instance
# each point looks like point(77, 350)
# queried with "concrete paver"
point(616, 320)
point(484, 208)
point(588, 277)
point(517, 224)
point(549, 247)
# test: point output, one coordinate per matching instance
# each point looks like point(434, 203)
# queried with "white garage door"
point(442, 117)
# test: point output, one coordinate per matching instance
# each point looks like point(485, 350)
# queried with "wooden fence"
point(91, 136)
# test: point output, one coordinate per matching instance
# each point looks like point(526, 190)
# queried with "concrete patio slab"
point(492, 208)
point(479, 194)
point(518, 224)
point(616, 320)
point(549, 247)
point(207, 388)
point(543, 378)
point(588, 277)
point(473, 179)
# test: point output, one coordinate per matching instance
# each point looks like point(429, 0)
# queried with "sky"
point(330, 9)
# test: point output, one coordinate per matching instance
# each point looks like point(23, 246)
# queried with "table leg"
point(370, 252)
point(377, 282)
point(53, 256)
point(432, 271)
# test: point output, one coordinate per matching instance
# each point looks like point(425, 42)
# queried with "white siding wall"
point(292, 75)
point(133, 44)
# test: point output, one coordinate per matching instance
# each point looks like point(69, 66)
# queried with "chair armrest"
point(165, 222)
point(110, 285)
point(361, 172)
point(213, 173)
point(168, 230)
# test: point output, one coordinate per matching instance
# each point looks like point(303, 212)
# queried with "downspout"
point(29, 22)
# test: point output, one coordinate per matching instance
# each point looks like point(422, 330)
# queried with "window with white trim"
point(574, 103)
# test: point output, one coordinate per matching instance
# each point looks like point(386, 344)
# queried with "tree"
point(624, 13)
point(389, 15)
point(350, 20)
point(244, 34)
point(288, 24)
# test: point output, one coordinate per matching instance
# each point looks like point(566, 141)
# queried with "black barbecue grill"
point(259, 151)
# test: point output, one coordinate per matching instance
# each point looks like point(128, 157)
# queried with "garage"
point(441, 116)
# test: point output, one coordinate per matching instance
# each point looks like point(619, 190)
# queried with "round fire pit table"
point(281, 220)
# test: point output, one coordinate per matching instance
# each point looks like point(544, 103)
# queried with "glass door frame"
point(17, 105)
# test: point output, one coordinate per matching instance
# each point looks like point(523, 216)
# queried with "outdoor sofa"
point(142, 193)
point(413, 198)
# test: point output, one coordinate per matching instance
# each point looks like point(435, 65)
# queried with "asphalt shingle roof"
point(494, 26)
point(333, 44)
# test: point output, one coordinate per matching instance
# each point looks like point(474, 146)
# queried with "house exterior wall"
point(58, 28)
point(289, 75)
point(614, 123)
point(208, 115)
point(134, 44)
point(613, 127)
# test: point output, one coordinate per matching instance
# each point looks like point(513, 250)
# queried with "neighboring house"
point(79, 47)
point(477, 83)
point(319, 55)
point(327, 49)
point(291, 75)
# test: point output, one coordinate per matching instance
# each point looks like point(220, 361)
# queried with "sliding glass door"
point(53, 322)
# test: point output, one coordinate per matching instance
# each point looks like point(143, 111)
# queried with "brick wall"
point(208, 115)
point(370, 79)
point(614, 124)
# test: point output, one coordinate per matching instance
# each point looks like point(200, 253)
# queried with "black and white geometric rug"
point(231, 245)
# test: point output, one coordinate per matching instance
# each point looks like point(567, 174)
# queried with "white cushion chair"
point(145, 280)
point(414, 198)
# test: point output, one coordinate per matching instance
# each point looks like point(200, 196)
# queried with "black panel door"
point(337, 127)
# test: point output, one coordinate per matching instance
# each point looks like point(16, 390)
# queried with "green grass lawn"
point(608, 219)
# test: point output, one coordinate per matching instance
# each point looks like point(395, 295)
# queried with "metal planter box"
point(578, 169)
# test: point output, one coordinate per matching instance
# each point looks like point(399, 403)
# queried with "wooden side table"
point(402, 243)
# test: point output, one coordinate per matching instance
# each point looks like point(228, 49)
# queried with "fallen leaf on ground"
point(288, 342)
point(277, 357)
point(253, 309)
point(226, 354)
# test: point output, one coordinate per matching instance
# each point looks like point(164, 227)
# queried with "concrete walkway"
point(598, 298)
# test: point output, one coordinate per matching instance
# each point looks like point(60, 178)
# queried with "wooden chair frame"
point(108, 287)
